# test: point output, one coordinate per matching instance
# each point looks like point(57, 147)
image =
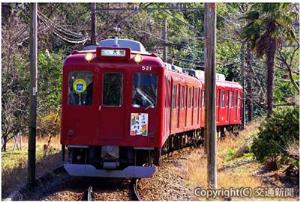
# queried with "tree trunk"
point(249, 84)
point(4, 141)
point(270, 53)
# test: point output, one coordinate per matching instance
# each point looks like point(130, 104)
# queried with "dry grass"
point(241, 176)
point(14, 163)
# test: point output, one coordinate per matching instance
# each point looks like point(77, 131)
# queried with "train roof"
point(119, 43)
point(137, 47)
point(200, 75)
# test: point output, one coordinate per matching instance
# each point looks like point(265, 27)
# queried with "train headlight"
point(138, 58)
point(89, 57)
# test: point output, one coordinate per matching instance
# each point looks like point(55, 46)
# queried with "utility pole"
point(242, 58)
point(210, 95)
point(249, 83)
point(33, 95)
point(165, 38)
point(93, 24)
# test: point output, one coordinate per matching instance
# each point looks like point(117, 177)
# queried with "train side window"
point(186, 92)
point(174, 96)
point(195, 97)
point(189, 98)
point(222, 98)
point(112, 89)
point(238, 99)
point(217, 98)
point(182, 97)
point(200, 97)
point(144, 90)
point(230, 99)
point(80, 88)
point(227, 99)
point(233, 98)
point(203, 94)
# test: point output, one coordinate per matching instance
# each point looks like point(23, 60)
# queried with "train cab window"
point(112, 89)
point(238, 99)
point(80, 88)
point(144, 90)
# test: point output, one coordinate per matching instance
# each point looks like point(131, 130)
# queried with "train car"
point(123, 107)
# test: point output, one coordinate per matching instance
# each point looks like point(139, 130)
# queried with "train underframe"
point(128, 162)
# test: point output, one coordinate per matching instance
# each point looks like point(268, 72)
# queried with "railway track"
point(89, 194)
point(134, 190)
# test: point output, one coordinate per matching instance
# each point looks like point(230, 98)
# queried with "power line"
point(67, 32)
point(61, 32)
point(119, 22)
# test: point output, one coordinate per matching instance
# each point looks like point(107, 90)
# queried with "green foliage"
point(50, 79)
point(276, 133)
point(268, 20)
point(230, 154)
point(228, 54)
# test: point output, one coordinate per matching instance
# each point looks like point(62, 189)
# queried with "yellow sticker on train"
point(79, 85)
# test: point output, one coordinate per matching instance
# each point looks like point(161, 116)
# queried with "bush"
point(50, 79)
point(276, 134)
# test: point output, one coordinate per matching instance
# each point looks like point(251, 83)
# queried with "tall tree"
point(269, 24)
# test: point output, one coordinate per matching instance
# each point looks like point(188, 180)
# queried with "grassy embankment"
point(249, 174)
point(14, 162)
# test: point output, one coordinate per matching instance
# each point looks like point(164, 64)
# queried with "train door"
point(222, 108)
point(174, 115)
point(227, 106)
point(239, 105)
point(111, 107)
point(217, 105)
point(79, 107)
point(231, 109)
point(182, 110)
point(199, 106)
point(195, 106)
point(189, 107)
point(202, 120)
point(234, 106)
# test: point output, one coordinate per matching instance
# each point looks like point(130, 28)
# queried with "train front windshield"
point(144, 90)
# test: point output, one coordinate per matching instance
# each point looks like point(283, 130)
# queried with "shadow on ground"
point(16, 178)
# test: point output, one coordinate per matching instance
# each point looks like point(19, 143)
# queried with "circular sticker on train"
point(79, 85)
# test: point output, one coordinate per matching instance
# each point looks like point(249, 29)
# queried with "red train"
point(122, 108)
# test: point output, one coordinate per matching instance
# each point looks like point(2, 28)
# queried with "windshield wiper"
point(145, 97)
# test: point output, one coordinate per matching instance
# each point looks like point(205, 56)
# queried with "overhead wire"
point(61, 32)
point(120, 21)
